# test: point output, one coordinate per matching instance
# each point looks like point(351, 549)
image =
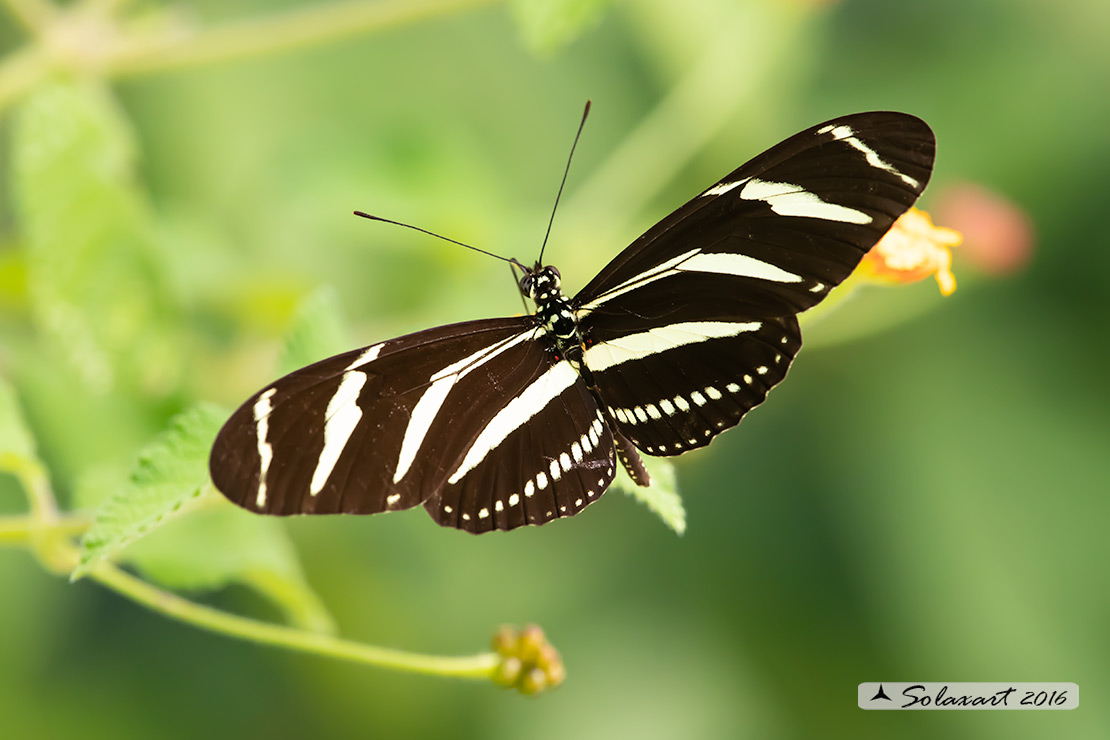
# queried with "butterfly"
point(498, 423)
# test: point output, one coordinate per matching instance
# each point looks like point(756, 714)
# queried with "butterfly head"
point(541, 284)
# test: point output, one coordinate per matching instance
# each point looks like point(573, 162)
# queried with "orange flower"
point(913, 250)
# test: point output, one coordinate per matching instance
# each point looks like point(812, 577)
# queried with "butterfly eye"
point(526, 284)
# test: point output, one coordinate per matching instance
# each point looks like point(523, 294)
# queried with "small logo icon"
point(966, 695)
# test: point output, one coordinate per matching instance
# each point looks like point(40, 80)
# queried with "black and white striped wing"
point(673, 388)
point(691, 325)
point(553, 465)
point(476, 420)
point(775, 235)
point(489, 425)
point(343, 434)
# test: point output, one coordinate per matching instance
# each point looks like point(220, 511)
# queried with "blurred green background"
point(926, 502)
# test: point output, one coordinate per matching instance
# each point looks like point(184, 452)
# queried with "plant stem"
point(18, 530)
point(60, 556)
point(282, 32)
point(44, 509)
point(479, 666)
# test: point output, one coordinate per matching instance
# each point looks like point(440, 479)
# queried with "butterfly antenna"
point(585, 113)
point(437, 236)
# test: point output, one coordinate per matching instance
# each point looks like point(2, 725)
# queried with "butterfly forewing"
point(775, 235)
point(366, 431)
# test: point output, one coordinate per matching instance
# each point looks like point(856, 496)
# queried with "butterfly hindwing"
point(675, 387)
point(553, 465)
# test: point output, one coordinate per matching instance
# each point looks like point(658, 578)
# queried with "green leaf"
point(661, 496)
point(548, 25)
point(170, 472)
point(316, 331)
point(16, 440)
point(94, 278)
point(96, 484)
point(216, 544)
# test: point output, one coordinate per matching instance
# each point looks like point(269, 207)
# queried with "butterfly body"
point(497, 423)
point(554, 311)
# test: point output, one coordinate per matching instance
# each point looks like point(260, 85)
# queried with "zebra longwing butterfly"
point(498, 423)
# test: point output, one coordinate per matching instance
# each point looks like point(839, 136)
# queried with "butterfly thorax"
point(553, 311)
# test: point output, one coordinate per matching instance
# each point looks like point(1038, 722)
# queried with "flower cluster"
point(529, 663)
